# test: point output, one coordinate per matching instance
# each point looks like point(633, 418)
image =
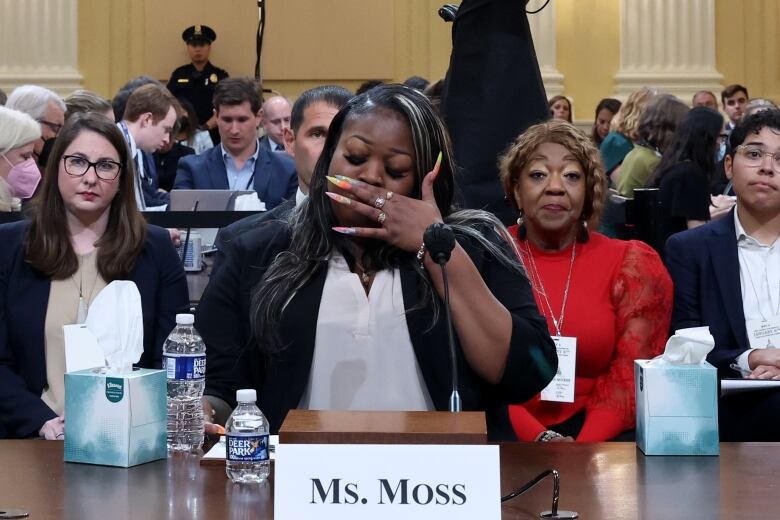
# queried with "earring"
point(521, 231)
point(583, 235)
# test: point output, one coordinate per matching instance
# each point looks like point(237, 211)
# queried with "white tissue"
point(249, 202)
point(687, 347)
point(116, 319)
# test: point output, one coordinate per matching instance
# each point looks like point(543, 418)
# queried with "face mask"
point(23, 178)
point(48, 144)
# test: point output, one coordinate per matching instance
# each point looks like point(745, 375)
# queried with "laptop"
point(208, 200)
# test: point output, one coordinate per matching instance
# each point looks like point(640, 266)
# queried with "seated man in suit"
point(276, 114)
point(303, 140)
point(239, 163)
point(727, 276)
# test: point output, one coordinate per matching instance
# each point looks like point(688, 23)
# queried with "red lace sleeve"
point(642, 296)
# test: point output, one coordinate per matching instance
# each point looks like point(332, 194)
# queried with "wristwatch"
point(549, 435)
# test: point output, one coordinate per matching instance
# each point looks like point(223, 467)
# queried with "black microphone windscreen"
point(439, 240)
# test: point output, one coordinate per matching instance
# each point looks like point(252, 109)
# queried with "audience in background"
point(685, 173)
point(119, 101)
point(81, 101)
point(239, 163)
point(727, 277)
point(44, 106)
point(189, 135)
point(275, 118)
point(368, 85)
point(705, 98)
point(560, 108)
point(85, 231)
point(610, 297)
point(656, 128)
point(623, 133)
point(417, 83)
point(19, 175)
point(605, 112)
point(757, 105)
point(149, 118)
point(734, 98)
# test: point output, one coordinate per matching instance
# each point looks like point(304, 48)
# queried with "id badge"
point(764, 333)
point(561, 388)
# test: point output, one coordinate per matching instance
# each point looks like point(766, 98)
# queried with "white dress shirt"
point(363, 355)
point(759, 276)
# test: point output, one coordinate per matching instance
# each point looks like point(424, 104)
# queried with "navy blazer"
point(704, 265)
point(24, 297)
point(234, 361)
point(275, 178)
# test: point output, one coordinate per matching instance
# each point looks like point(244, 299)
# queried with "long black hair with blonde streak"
point(312, 240)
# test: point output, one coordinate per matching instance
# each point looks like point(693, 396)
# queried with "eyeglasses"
point(77, 166)
point(754, 156)
point(54, 127)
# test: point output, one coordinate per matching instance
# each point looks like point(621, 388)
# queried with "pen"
point(742, 371)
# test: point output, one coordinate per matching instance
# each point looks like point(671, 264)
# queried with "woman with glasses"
point(84, 232)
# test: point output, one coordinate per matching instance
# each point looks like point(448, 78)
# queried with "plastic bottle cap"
point(248, 395)
point(185, 319)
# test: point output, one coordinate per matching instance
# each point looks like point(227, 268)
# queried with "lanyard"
point(538, 285)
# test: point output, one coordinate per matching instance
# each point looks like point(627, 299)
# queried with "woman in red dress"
point(609, 301)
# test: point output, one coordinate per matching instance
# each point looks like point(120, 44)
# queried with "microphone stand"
point(439, 240)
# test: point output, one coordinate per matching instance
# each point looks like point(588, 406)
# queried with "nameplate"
point(350, 481)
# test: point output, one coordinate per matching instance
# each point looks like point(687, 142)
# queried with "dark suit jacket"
point(275, 179)
point(226, 237)
point(149, 185)
point(234, 361)
point(266, 142)
point(704, 266)
point(24, 296)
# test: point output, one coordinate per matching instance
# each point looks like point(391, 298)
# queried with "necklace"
point(81, 310)
point(538, 286)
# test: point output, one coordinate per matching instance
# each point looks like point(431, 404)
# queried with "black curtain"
point(493, 92)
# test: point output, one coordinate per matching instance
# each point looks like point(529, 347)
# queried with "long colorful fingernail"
point(344, 230)
point(341, 199)
point(339, 181)
point(437, 166)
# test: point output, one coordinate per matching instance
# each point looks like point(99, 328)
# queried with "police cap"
point(198, 34)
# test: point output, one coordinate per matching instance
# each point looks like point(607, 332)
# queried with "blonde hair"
point(517, 157)
point(626, 121)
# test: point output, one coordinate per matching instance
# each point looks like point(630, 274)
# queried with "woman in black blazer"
point(272, 319)
point(84, 232)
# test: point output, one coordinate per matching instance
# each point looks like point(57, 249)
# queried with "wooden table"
point(600, 481)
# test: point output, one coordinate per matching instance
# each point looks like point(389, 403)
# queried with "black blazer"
point(24, 296)
point(275, 178)
point(234, 361)
point(704, 266)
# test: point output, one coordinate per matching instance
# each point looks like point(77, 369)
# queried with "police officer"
point(196, 82)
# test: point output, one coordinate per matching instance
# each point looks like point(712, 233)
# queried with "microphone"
point(439, 240)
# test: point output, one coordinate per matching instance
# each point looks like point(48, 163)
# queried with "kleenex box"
point(115, 420)
point(676, 409)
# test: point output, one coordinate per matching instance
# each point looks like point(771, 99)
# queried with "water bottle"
point(246, 432)
point(184, 360)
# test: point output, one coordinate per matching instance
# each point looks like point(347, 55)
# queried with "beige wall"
point(311, 42)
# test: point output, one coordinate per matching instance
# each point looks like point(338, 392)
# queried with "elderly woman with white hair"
point(19, 175)
point(46, 107)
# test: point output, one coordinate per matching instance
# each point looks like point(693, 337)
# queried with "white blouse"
point(363, 355)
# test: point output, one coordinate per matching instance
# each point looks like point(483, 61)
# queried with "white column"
point(39, 44)
point(543, 33)
point(669, 44)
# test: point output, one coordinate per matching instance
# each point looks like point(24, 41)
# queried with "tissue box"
point(115, 420)
point(676, 409)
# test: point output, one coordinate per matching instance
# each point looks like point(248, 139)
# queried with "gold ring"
point(379, 202)
point(382, 217)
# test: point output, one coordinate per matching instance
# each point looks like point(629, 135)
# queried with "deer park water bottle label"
point(185, 368)
point(247, 448)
